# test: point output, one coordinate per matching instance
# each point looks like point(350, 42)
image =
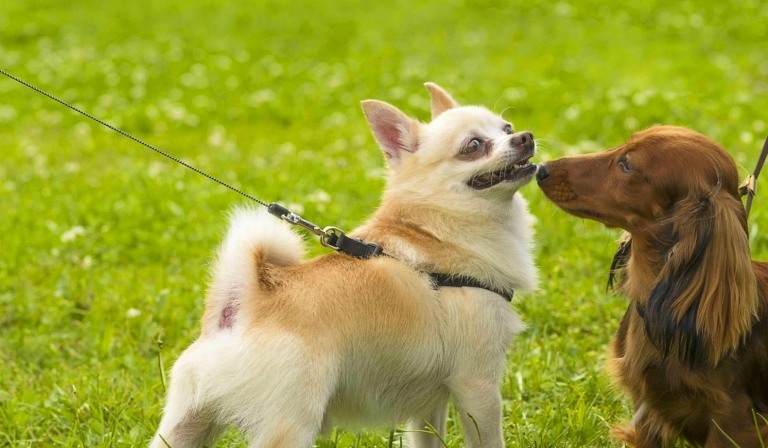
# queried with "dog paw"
point(624, 433)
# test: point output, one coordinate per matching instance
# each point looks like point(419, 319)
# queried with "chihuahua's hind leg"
point(188, 421)
point(195, 428)
point(292, 413)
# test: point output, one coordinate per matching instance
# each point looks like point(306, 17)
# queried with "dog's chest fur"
point(459, 330)
point(683, 400)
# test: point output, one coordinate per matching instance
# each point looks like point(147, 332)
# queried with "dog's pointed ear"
point(395, 132)
point(705, 300)
point(441, 100)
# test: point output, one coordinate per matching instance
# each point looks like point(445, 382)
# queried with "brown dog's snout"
point(521, 138)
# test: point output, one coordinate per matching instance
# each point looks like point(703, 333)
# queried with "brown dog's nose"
point(521, 138)
point(541, 172)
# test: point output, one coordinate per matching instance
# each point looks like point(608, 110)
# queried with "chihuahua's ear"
point(394, 131)
point(441, 100)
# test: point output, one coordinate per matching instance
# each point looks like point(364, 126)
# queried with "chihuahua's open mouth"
point(515, 171)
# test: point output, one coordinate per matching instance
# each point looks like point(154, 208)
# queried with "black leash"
point(331, 237)
point(749, 187)
point(125, 134)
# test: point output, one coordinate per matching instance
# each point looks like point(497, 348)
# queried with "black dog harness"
point(364, 250)
point(461, 281)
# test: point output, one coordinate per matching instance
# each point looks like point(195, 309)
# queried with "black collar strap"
point(352, 246)
point(459, 281)
point(359, 248)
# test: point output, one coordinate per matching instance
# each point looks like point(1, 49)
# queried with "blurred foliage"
point(104, 244)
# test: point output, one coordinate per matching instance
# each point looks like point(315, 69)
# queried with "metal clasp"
point(748, 186)
point(331, 237)
point(287, 215)
point(333, 234)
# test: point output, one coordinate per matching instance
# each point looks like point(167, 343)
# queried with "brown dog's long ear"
point(395, 132)
point(705, 300)
point(441, 100)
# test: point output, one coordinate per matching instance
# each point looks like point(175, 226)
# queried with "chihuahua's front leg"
point(479, 405)
point(421, 436)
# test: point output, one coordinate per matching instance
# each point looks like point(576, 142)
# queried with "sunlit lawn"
point(104, 245)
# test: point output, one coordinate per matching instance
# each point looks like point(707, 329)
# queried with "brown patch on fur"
point(321, 312)
point(268, 277)
point(692, 349)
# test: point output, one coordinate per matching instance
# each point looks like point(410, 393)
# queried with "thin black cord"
point(125, 134)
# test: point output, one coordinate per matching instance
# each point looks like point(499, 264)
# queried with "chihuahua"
point(289, 348)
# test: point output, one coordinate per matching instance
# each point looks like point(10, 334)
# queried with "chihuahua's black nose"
point(521, 138)
point(541, 172)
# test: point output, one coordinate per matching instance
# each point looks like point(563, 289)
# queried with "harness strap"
point(353, 246)
point(459, 281)
point(749, 187)
point(358, 248)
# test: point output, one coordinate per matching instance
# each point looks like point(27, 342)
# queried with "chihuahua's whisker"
point(503, 111)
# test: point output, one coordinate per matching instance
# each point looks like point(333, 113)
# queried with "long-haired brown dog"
point(692, 348)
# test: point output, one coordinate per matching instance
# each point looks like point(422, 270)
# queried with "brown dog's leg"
point(638, 433)
point(624, 433)
point(738, 426)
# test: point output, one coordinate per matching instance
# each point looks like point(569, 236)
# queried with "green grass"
point(104, 245)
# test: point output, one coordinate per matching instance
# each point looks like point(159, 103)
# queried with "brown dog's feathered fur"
point(692, 348)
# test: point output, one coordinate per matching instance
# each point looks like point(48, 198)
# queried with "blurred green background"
point(104, 245)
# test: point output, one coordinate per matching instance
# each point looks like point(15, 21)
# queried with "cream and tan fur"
point(290, 348)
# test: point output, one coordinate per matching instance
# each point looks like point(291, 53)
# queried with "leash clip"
point(287, 215)
point(331, 237)
point(748, 187)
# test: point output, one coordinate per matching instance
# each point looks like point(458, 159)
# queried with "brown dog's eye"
point(624, 164)
point(473, 146)
point(508, 129)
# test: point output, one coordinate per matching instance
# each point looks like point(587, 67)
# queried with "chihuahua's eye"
point(624, 164)
point(508, 129)
point(473, 146)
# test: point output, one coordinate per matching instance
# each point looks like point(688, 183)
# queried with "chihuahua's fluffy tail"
point(254, 238)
